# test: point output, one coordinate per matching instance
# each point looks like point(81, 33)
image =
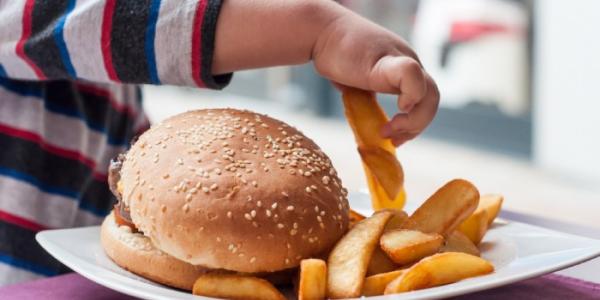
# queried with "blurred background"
point(518, 113)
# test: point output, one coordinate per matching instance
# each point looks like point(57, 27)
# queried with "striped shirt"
point(69, 102)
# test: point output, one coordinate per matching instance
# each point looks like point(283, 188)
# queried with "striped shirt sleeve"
point(118, 41)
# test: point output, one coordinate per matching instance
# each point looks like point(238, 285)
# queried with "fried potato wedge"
point(351, 255)
point(475, 226)
point(397, 221)
point(491, 203)
point(458, 242)
point(439, 269)
point(375, 285)
point(232, 286)
point(354, 217)
point(366, 118)
point(312, 283)
point(385, 167)
point(380, 263)
point(446, 209)
point(407, 246)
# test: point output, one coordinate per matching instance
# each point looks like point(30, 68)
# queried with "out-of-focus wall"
point(567, 87)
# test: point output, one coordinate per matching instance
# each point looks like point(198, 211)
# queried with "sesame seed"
point(218, 239)
point(180, 161)
point(308, 190)
point(316, 208)
point(163, 208)
point(188, 197)
point(259, 203)
point(217, 171)
point(319, 218)
point(166, 176)
point(285, 194)
point(254, 183)
point(252, 259)
point(323, 213)
point(186, 207)
point(248, 217)
point(325, 179)
point(229, 214)
point(253, 213)
point(274, 206)
point(293, 232)
point(268, 213)
point(280, 225)
point(254, 224)
point(213, 186)
point(307, 173)
point(322, 225)
point(290, 208)
point(287, 261)
point(295, 225)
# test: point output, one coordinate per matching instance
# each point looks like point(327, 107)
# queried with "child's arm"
point(344, 47)
point(174, 41)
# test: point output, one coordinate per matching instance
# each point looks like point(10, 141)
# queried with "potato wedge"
point(439, 269)
point(375, 285)
point(475, 226)
point(491, 203)
point(351, 255)
point(458, 242)
point(446, 209)
point(397, 221)
point(407, 246)
point(380, 263)
point(312, 283)
point(366, 118)
point(354, 217)
point(246, 287)
point(385, 167)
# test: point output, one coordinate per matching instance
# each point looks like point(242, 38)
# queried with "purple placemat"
point(73, 286)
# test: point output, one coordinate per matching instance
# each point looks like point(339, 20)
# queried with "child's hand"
point(355, 52)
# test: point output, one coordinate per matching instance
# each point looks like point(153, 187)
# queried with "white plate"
point(518, 251)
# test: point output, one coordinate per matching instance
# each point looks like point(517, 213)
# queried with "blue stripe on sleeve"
point(60, 40)
point(149, 42)
point(73, 195)
point(22, 264)
point(2, 72)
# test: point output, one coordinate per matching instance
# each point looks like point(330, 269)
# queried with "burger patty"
point(122, 213)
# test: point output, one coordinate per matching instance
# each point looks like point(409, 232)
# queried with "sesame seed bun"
point(135, 253)
point(235, 190)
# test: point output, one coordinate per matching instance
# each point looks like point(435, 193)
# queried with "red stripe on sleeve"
point(109, 9)
point(197, 43)
point(21, 222)
point(27, 11)
point(66, 153)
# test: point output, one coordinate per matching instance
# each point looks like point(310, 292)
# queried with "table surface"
point(73, 286)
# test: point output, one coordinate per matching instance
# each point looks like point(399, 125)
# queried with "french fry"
point(233, 286)
point(491, 203)
point(350, 257)
point(354, 217)
point(439, 269)
point(458, 242)
point(385, 167)
point(446, 209)
point(407, 246)
point(313, 279)
point(380, 263)
point(375, 285)
point(475, 226)
point(366, 118)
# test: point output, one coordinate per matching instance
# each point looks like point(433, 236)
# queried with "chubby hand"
point(355, 52)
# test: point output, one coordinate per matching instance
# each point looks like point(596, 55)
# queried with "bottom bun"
point(135, 253)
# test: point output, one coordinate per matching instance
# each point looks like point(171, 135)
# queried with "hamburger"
point(222, 190)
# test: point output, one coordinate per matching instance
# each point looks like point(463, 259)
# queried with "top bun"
point(235, 190)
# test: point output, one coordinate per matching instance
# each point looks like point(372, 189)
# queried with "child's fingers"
point(403, 137)
point(401, 75)
point(418, 118)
